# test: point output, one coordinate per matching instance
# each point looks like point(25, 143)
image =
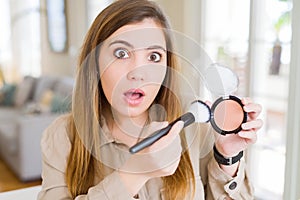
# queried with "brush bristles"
point(201, 111)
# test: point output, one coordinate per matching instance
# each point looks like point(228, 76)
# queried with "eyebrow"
point(156, 47)
point(131, 46)
point(121, 42)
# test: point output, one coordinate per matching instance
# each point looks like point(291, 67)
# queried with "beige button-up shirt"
point(211, 181)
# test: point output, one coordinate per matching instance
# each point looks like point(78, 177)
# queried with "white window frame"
point(292, 172)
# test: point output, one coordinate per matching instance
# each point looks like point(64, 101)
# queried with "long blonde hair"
point(89, 102)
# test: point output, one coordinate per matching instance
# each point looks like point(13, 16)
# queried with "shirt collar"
point(105, 134)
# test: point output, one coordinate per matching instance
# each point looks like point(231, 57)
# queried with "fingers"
point(249, 136)
point(208, 103)
point(152, 127)
point(166, 140)
point(251, 108)
point(254, 124)
point(246, 100)
point(173, 133)
point(177, 127)
point(162, 157)
point(249, 131)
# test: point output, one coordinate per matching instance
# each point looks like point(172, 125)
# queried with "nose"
point(136, 75)
point(138, 67)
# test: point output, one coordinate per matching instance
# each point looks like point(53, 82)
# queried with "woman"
point(126, 70)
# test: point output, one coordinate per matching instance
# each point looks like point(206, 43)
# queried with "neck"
point(128, 129)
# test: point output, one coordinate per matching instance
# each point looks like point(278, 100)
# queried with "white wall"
point(185, 16)
point(65, 63)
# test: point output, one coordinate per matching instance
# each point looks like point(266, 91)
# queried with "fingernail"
point(242, 133)
point(247, 109)
point(244, 126)
point(181, 124)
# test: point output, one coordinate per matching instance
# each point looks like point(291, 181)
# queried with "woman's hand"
point(158, 160)
point(231, 144)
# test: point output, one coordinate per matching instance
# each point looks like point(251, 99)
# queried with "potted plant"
point(283, 20)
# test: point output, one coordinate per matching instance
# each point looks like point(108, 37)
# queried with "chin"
point(135, 112)
point(130, 112)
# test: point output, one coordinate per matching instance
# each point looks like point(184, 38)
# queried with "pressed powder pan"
point(227, 115)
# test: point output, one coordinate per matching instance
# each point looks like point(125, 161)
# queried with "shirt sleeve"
point(222, 186)
point(55, 147)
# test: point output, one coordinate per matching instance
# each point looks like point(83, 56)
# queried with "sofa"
point(26, 109)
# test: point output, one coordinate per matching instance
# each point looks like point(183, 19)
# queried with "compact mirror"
point(226, 113)
point(220, 80)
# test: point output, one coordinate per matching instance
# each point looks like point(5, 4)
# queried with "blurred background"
point(258, 39)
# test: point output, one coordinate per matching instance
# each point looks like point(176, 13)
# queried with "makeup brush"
point(198, 112)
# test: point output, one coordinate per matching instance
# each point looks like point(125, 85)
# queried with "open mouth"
point(134, 96)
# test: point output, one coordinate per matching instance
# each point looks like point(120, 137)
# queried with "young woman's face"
point(133, 66)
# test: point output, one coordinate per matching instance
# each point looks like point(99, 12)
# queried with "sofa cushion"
point(7, 93)
point(24, 90)
point(64, 86)
point(60, 104)
point(43, 84)
point(62, 95)
point(47, 98)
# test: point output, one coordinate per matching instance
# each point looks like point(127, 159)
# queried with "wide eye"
point(121, 53)
point(154, 57)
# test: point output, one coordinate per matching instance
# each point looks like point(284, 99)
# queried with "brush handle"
point(187, 118)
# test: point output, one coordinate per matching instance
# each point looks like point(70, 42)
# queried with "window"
point(270, 64)
point(57, 25)
point(25, 37)
point(226, 35)
point(5, 50)
point(94, 7)
point(253, 38)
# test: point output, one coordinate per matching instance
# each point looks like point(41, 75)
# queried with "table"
point(29, 193)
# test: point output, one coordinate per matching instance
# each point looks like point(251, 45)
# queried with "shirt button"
point(233, 185)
